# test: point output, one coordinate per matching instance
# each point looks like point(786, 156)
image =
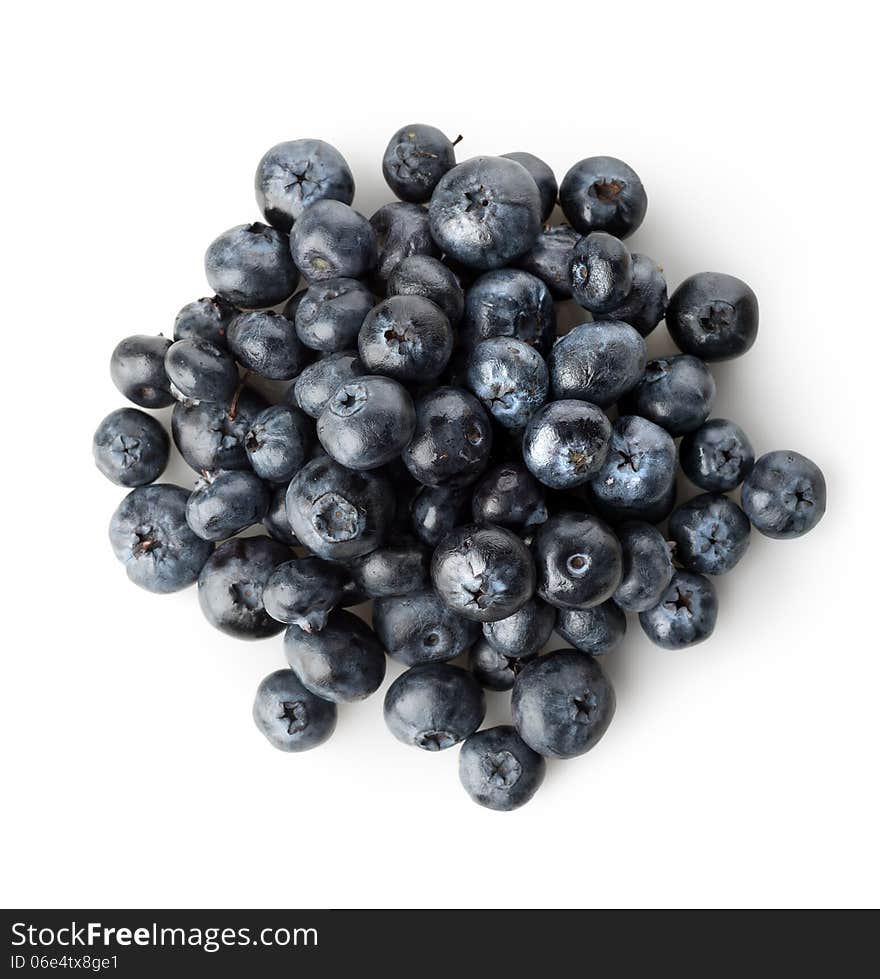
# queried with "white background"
point(740, 773)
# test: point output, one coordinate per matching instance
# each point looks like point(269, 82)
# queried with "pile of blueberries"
point(442, 452)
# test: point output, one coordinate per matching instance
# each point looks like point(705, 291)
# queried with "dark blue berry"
point(578, 559)
point(331, 240)
point(428, 277)
point(266, 343)
point(713, 316)
point(595, 630)
point(509, 303)
point(484, 573)
point(597, 362)
point(510, 378)
point(150, 536)
point(338, 513)
point(330, 314)
point(601, 272)
point(343, 662)
point(675, 392)
point(566, 442)
point(297, 173)
point(320, 381)
point(367, 422)
point(420, 628)
point(251, 267)
point(717, 456)
point(434, 706)
point(130, 447)
point(685, 614)
point(279, 442)
point(452, 440)
point(710, 532)
point(486, 212)
point(289, 717)
point(303, 592)
point(784, 494)
point(137, 367)
point(562, 703)
point(602, 193)
point(405, 337)
point(231, 586)
point(647, 566)
point(416, 157)
point(201, 371)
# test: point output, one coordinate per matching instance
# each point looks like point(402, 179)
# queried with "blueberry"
point(266, 343)
point(330, 314)
point(434, 706)
point(435, 510)
point(405, 337)
point(717, 456)
point(320, 381)
point(275, 522)
point(562, 703)
point(291, 718)
point(225, 503)
point(647, 567)
point(420, 628)
point(603, 194)
point(484, 573)
point(543, 177)
point(494, 670)
point(150, 536)
point(486, 212)
point(550, 258)
point(279, 442)
point(675, 392)
point(645, 304)
point(367, 422)
point(685, 615)
point(331, 240)
point(784, 495)
point(710, 532)
point(341, 663)
point(402, 231)
point(597, 362)
point(415, 159)
point(601, 272)
point(297, 173)
point(207, 319)
point(510, 378)
point(231, 586)
point(338, 513)
point(509, 495)
point(428, 277)
point(525, 632)
point(639, 470)
point(399, 569)
point(499, 770)
point(130, 447)
point(595, 630)
point(250, 266)
point(713, 316)
point(137, 368)
point(303, 592)
point(212, 436)
point(452, 440)
point(509, 303)
point(566, 442)
point(578, 559)
point(201, 371)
